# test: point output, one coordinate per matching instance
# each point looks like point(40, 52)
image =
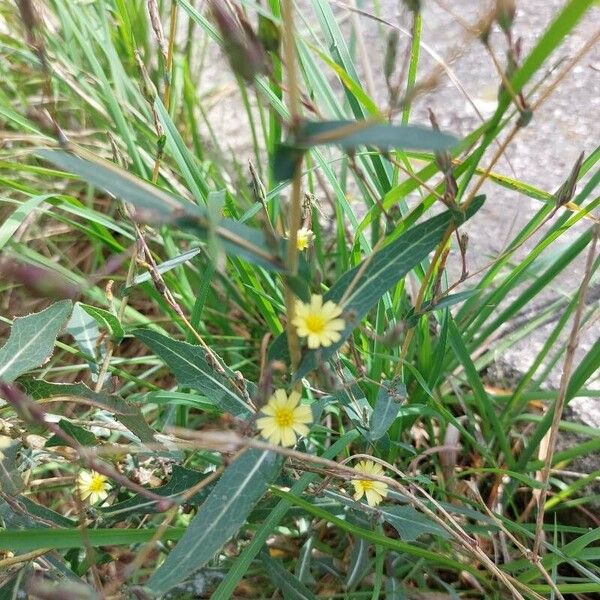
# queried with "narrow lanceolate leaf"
point(221, 516)
point(410, 523)
point(26, 540)
point(106, 319)
point(191, 369)
point(155, 205)
point(389, 400)
point(586, 368)
point(127, 414)
point(167, 265)
point(359, 563)
point(352, 134)
point(363, 286)
point(83, 436)
point(291, 587)
point(31, 340)
point(85, 332)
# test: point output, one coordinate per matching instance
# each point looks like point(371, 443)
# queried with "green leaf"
point(181, 480)
point(352, 134)
point(485, 405)
point(410, 523)
point(394, 590)
point(19, 540)
point(107, 320)
point(158, 206)
point(13, 221)
point(284, 162)
point(291, 587)
point(186, 161)
point(34, 509)
point(83, 436)
point(31, 340)
point(166, 397)
point(191, 369)
point(586, 368)
point(382, 271)
point(445, 302)
point(302, 570)
point(359, 563)
point(85, 332)
point(167, 265)
point(223, 513)
point(389, 399)
point(130, 416)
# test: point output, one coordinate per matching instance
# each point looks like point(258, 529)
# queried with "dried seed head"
point(29, 17)
point(157, 27)
point(246, 54)
point(565, 193)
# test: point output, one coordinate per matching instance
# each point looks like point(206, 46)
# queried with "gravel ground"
point(542, 155)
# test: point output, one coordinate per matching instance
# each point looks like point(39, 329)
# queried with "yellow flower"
point(374, 490)
point(319, 322)
point(304, 238)
point(92, 486)
point(285, 418)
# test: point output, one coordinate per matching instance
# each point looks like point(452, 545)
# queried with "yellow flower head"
point(318, 322)
point(304, 238)
point(375, 491)
point(285, 418)
point(92, 486)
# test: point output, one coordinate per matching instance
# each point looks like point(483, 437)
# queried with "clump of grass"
point(240, 373)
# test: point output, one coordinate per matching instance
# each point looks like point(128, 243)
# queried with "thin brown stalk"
point(295, 206)
point(562, 392)
point(21, 558)
point(168, 76)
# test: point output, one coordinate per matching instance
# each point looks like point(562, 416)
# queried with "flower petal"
point(266, 425)
point(331, 310)
point(316, 302)
point(358, 493)
point(373, 498)
point(303, 414)
point(293, 400)
point(288, 437)
point(314, 341)
point(275, 437)
point(300, 429)
point(336, 324)
point(280, 395)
